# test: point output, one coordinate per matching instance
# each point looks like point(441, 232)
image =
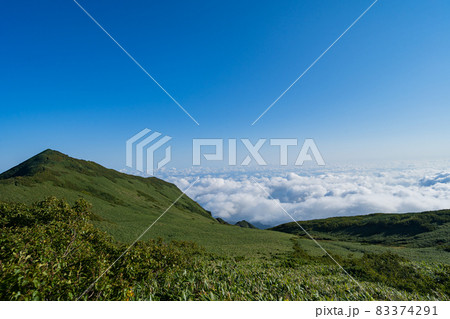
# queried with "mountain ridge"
point(126, 205)
point(423, 229)
point(50, 166)
point(245, 224)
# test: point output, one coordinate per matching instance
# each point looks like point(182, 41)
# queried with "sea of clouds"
point(256, 195)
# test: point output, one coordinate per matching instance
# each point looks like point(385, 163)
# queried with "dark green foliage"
point(425, 229)
point(298, 256)
point(223, 222)
point(397, 272)
point(51, 251)
point(387, 268)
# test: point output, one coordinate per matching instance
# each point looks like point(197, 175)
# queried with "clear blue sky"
point(381, 92)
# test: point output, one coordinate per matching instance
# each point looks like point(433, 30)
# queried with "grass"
point(417, 236)
point(51, 251)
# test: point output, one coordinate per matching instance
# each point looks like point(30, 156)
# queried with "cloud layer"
point(319, 194)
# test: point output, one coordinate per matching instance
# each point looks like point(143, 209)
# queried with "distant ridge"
point(245, 224)
point(223, 222)
point(242, 223)
point(426, 229)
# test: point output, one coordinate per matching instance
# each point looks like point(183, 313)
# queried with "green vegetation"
point(418, 230)
point(223, 222)
point(56, 248)
point(245, 224)
point(395, 271)
point(51, 251)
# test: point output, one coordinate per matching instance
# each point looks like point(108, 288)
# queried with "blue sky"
point(381, 93)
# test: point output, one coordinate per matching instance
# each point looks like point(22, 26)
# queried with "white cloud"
point(319, 194)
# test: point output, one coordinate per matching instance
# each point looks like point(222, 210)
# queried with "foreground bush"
point(51, 251)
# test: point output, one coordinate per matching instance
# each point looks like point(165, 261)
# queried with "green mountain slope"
point(223, 222)
point(125, 205)
point(427, 229)
point(245, 224)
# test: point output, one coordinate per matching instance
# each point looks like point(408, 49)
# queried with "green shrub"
point(51, 251)
point(397, 272)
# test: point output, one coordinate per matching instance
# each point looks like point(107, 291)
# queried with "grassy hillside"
point(412, 230)
point(125, 205)
point(51, 251)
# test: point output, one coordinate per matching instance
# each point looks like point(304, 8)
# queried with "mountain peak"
point(33, 165)
point(50, 152)
point(55, 163)
point(245, 224)
point(51, 173)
